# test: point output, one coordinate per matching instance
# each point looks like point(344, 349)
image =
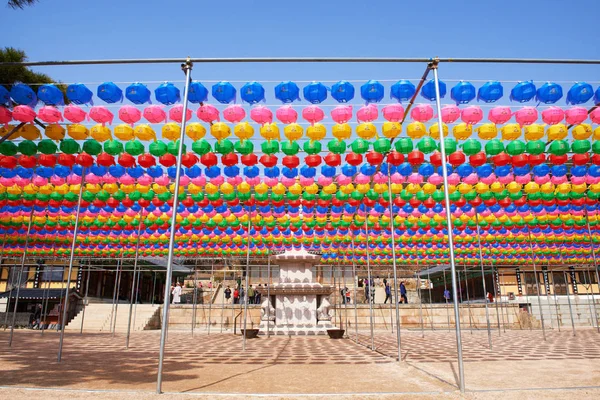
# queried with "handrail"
point(235, 323)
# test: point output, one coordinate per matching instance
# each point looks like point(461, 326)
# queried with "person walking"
point(236, 296)
point(403, 298)
point(343, 294)
point(177, 294)
point(388, 293)
point(366, 283)
point(446, 295)
point(227, 295)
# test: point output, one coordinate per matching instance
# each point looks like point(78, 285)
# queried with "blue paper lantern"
point(315, 92)
point(580, 93)
point(287, 92)
point(596, 96)
point(523, 92)
point(402, 90)
point(549, 93)
point(23, 95)
point(197, 93)
point(343, 91)
point(252, 92)
point(110, 93)
point(50, 95)
point(137, 93)
point(490, 92)
point(223, 92)
point(4, 95)
point(463, 92)
point(78, 93)
point(167, 93)
point(428, 90)
point(372, 91)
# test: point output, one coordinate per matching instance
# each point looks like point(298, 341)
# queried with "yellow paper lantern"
point(434, 130)
point(100, 133)
point(330, 189)
point(220, 130)
point(243, 131)
point(316, 132)
point(496, 187)
point(279, 189)
point(341, 131)
point(534, 132)
point(270, 131)
point(296, 189)
point(481, 188)
point(597, 133)
point(557, 132)
point(293, 132)
point(487, 131)
point(464, 188)
point(391, 129)
point(312, 188)
point(243, 187)
point(143, 132)
point(428, 188)
point(511, 131)
point(261, 188)
point(195, 131)
point(54, 132)
point(171, 131)
point(29, 132)
point(211, 188)
point(366, 130)
point(547, 187)
point(7, 128)
point(563, 188)
point(582, 131)
point(532, 187)
point(77, 131)
point(363, 188)
point(416, 130)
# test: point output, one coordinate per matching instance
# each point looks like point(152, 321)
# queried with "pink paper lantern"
point(176, 113)
point(50, 114)
point(367, 113)
point(74, 114)
point(553, 115)
point(393, 112)
point(500, 114)
point(526, 115)
point(261, 115)
point(208, 113)
point(471, 115)
point(101, 115)
point(5, 115)
point(155, 114)
point(130, 114)
point(595, 116)
point(342, 114)
point(450, 114)
point(421, 113)
point(313, 114)
point(362, 179)
point(576, 115)
point(234, 113)
point(286, 114)
point(23, 114)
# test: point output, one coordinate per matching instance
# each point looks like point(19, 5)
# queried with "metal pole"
point(393, 237)
point(71, 259)
point(429, 284)
point(419, 292)
point(11, 279)
point(85, 299)
point(134, 287)
point(355, 289)
point(555, 302)
point(370, 285)
point(112, 309)
point(587, 220)
point(468, 298)
point(14, 318)
point(391, 300)
point(547, 291)
point(537, 284)
point(346, 299)
point(187, 68)
point(120, 274)
point(212, 268)
point(153, 286)
point(569, 300)
point(195, 297)
point(505, 307)
point(47, 300)
point(447, 309)
point(588, 281)
point(461, 369)
point(247, 282)
point(268, 292)
point(497, 296)
point(485, 299)
point(137, 294)
point(223, 299)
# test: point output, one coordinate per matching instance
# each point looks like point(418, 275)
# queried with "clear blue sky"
point(75, 29)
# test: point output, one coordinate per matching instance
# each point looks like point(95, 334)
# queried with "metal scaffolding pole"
point(212, 269)
point(153, 287)
point(485, 300)
point(587, 223)
point(134, 287)
point(268, 292)
point(120, 275)
point(187, 68)
point(195, 297)
point(369, 299)
point(85, 298)
point(446, 299)
point(46, 300)
point(468, 298)
point(497, 296)
point(247, 283)
point(112, 309)
point(429, 288)
point(461, 369)
point(537, 284)
point(393, 237)
point(569, 301)
point(14, 318)
point(419, 293)
point(223, 297)
point(355, 289)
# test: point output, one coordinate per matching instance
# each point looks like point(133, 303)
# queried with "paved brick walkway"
point(440, 346)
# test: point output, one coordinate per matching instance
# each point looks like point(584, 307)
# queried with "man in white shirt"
point(177, 294)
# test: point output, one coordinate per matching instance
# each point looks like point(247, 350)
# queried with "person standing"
point(446, 295)
point(388, 293)
point(177, 293)
point(227, 295)
point(403, 298)
point(236, 296)
point(347, 295)
point(242, 295)
point(257, 295)
point(343, 294)
point(250, 294)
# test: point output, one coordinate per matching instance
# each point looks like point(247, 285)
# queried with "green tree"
point(21, 3)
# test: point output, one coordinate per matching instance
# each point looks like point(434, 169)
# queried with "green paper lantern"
point(581, 146)
point(559, 147)
point(70, 146)
point(360, 146)
point(134, 148)
point(471, 146)
point(92, 147)
point(113, 147)
point(28, 148)
point(382, 145)
point(515, 148)
point(312, 147)
point(337, 146)
point(225, 146)
point(244, 148)
point(270, 147)
point(158, 149)
point(450, 145)
point(201, 147)
point(8, 148)
point(596, 147)
point(535, 147)
point(173, 148)
point(404, 145)
point(45, 146)
point(494, 147)
point(426, 145)
point(290, 148)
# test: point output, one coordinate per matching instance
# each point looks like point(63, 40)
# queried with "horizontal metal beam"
point(304, 60)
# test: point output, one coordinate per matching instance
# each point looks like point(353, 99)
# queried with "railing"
point(235, 323)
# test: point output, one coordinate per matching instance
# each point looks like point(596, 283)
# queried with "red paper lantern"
point(333, 160)
point(395, 158)
point(415, 157)
point(501, 159)
point(84, 159)
point(536, 159)
point(581, 159)
point(189, 160)
point(477, 160)
point(168, 160)
point(290, 161)
point(105, 160)
point(27, 161)
point(9, 162)
point(558, 160)
point(520, 160)
point(209, 159)
point(268, 160)
point(457, 158)
point(229, 159)
point(127, 160)
point(67, 160)
point(354, 159)
point(249, 159)
point(596, 159)
point(436, 159)
point(374, 158)
point(313, 160)
point(145, 160)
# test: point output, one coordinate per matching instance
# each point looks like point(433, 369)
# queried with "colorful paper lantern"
point(342, 91)
point(50, 95)
point(549, 93)
point(252, 92)
point(287, 92)
point(372, 91)
point(109, 93)
point(223, 92)
point(428, 90)
point(167, 93)
point(523, 92)
point(315, 92)
point(490, 92)
point(463, 92)
point(23, 95)
point(580, 93)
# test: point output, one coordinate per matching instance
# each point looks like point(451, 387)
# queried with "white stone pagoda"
point(301, 305)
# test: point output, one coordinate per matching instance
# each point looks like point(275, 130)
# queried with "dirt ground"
point(98, 366)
